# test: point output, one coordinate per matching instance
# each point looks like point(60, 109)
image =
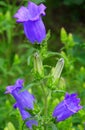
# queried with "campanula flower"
point(31, 18)
point(24, 100)
point(66, 108)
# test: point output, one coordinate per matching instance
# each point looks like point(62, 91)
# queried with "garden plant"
point(43, 89)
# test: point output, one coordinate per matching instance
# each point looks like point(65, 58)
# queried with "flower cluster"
point(24, 100)
point(31, 18)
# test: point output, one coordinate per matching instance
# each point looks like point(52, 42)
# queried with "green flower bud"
point(57, 70)
point(64, 35)
point(38, 66)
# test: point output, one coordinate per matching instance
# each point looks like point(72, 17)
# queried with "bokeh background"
point(15, 49)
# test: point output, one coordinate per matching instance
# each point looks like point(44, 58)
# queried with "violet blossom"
point(31, 17)
point(24, 100)
point(68, 107)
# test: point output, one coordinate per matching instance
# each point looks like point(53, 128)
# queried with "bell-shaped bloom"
point(24, 100)
point(31, 17)
point(66, 108)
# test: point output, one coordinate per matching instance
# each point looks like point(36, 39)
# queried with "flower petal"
point(27, 99)
point(73, 102)
point(35, 31)
point(64, 114)
point(58, 108)
point(24, 99)
point(22, 14)
point(24, 113)
point(35, 10)
point(41, 9)
point(18, 86)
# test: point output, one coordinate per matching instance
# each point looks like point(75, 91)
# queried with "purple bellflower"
point(31, 17)
point(69, 106)
point(24, 100)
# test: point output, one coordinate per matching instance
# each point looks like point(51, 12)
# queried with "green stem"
point(45, 104)
point(20, 122)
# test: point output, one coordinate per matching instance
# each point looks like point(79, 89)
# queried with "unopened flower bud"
point(58, 69)
point(38, 66)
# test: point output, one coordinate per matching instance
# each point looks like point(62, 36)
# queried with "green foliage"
point(71, 2)
point(66, 2)
point(36, 1)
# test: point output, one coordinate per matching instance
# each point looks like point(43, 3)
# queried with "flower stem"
point(45, 104)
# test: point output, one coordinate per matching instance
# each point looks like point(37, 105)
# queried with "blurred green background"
point(66, 21)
